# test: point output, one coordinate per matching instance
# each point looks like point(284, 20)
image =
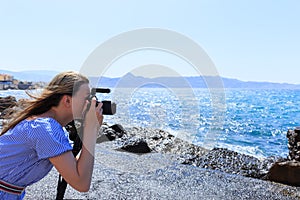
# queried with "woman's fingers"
point(99, 113)
point(94, 113)
point(93, 102)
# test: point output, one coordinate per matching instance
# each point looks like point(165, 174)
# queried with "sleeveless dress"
point(25, 151)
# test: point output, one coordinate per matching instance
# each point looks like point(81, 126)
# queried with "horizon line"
point(187, 76)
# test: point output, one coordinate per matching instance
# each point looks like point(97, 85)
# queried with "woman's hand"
point(93, 114)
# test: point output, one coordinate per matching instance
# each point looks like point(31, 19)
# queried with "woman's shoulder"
point(42, 121)
point(43, 125)
point(35, 123)
point(42, 128)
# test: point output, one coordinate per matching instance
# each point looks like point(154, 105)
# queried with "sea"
point(249, 121)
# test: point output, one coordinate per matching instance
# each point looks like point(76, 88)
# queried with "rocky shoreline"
point(145, 163)
point(147, 140)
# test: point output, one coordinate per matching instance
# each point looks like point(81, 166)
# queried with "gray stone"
point(123, 175)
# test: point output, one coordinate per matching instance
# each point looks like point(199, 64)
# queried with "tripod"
point(77, 145)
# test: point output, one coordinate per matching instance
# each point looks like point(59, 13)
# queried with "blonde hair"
point(65, 83)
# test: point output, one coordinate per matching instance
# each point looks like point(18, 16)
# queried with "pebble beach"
point(161, 174)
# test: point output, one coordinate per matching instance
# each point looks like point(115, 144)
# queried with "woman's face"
point(79, 100)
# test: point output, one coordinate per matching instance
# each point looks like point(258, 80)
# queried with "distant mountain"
point(132, 81)
point(234, 83)
point(129, 80)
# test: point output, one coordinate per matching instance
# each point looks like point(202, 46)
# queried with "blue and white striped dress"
point(25, 149)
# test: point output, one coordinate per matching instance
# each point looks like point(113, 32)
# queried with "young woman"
point(34, 140)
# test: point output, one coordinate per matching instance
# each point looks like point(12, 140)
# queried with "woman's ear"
point(67, 101)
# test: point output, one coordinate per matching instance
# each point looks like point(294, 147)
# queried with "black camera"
point(109, 108)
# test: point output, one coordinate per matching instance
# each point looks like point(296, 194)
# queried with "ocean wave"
point(255, 121)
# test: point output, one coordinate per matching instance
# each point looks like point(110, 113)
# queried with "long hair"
point(65, 83)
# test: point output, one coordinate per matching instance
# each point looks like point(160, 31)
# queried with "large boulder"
point(294, 144)
point(288, 170)
point(5, 103)
point(136, 145)
point(109, 133)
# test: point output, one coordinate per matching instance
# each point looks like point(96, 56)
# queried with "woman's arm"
point(78, 172)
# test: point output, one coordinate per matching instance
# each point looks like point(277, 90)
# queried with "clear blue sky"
point(254, 40)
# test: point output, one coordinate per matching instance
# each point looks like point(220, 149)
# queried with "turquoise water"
point(253, 122)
